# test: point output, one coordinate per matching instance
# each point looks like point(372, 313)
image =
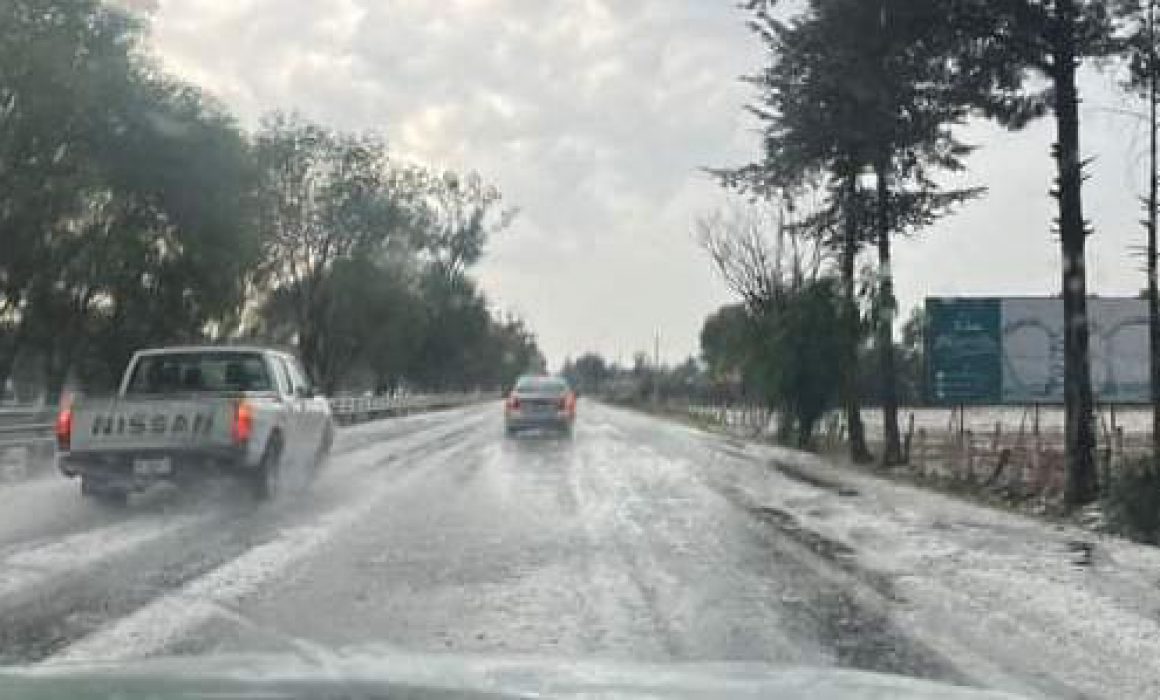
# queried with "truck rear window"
point(210, 372)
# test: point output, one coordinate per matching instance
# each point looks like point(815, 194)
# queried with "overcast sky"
point(593, 117)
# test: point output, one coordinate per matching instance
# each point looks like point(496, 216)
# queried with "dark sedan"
point(540, 403)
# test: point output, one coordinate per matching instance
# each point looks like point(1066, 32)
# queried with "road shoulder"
point(1019, 603)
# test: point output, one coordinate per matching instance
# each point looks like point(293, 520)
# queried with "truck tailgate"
point(161, 424)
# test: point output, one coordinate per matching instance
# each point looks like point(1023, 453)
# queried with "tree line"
point(135, 211)
point(860, 104)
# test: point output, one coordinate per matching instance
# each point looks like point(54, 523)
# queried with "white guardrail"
point(26, 425)
point(348, 410)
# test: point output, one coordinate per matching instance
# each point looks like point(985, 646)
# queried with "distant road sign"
point(1010, 350)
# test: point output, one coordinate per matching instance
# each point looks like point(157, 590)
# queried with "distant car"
point(542, 403)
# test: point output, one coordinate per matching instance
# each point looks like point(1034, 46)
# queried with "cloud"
point(594, 117)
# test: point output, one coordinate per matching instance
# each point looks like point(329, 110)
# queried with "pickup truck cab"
point(184, 413)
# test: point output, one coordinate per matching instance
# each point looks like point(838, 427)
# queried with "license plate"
point(152, 467)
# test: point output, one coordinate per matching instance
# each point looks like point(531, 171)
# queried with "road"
point(637, 540)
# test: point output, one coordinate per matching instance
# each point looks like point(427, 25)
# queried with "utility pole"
point(657, 368)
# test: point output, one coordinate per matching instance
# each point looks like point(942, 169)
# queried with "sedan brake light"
point(513, 403)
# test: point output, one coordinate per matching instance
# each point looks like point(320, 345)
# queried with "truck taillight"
point(243, 425)
point(64, 423)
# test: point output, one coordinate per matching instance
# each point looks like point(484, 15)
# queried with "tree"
point(134, 212)
point(124, 210)
point(858, 86)
point(1143, 53)
point(803, 349)
point(59, 61)
point(1052, 39)
point(725, 337)
point(804, 154)
point(791, 341)
point(324, 197)
point(396, 327)
point(336, 213)
point(515, 353)
point(458, 216)
point(910, 353)
point(588, 373)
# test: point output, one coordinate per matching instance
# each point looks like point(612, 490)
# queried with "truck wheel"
point(265, 479)
point(104, 495)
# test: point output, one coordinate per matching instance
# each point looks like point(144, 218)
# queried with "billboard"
point(1010, 350)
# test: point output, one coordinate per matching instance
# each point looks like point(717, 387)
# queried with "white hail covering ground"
point(994, 591)
point(1005, 597)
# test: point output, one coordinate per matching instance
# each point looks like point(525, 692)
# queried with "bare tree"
point(792, 345)
point(760, 250)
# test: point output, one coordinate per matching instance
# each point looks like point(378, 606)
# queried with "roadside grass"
point(1131, 502)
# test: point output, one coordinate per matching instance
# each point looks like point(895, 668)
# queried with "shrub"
point(1132, 501)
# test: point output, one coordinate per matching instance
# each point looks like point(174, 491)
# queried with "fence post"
point(922, 451)
point(909, 439)
point(968, 438)
point(1119, 446)
point(1037, 461)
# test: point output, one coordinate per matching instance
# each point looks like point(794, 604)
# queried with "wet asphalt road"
point(636, 540)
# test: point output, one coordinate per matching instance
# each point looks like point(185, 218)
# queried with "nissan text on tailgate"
point(184, 413)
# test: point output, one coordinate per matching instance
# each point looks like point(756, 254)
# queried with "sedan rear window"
point(210, 372)
point(542, 385)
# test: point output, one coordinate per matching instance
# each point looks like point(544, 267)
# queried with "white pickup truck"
point(185, 412)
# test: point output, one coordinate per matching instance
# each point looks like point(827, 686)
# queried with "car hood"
point(373, 673)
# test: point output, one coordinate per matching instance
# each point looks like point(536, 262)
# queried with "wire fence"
point(1018, 450)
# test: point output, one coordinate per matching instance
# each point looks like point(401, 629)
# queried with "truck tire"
point(97, 492)
point(264, 481)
